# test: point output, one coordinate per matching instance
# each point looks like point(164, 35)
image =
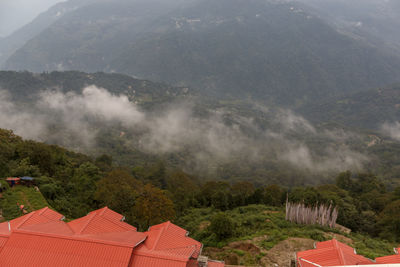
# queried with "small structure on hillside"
point(13, 181)
point(28, 181)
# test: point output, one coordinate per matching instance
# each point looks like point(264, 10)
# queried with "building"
point(26, 180)
point(334, 253)
point(390, 259)
point(101, 238)
point(330, 253)
point(13, 181)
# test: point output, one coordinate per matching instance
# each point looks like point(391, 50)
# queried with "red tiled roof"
point(100, 221)
point(3, 240)
point(388, 259)
point(166, 244)
point(29, 249)
point(391, 258)
point(153, 261)
point(41, 216)
point(215, 264)
point(330, 253)
point(42, 238)
point(13, 179)
point(57, 227)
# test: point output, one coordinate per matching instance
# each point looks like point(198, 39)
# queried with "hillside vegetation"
point(74, 183)
point(215, 212)
point(260, 235)
point(12, 198)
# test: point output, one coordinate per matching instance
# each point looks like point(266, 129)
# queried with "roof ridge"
point(158, 238)
point(28, 216)
point(103, 210)
point(69, 226)
point(92, 214)
point(339, 250)
point(160, 255)
point(43, 210)
point(188, 246)
point(122, 224)
point(192, 247)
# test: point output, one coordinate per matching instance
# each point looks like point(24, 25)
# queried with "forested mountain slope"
point(368, 109)
point(278, 52)
point(10, 44)
point(271, 50)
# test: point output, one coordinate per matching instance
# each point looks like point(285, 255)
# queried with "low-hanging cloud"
point(20, 119)
point(392, 130)
point(220, 135)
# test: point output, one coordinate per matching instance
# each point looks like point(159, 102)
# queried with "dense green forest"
point(75, 184)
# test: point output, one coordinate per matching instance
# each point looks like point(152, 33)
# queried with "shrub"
point(222, 226)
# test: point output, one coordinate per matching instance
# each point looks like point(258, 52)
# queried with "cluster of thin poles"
point(319, 214)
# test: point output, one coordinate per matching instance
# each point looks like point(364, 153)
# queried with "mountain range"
point(279, 52)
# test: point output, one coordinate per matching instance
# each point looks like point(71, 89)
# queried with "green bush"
point(222, 226)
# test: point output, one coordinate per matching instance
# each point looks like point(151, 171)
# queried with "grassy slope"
point(266, 227)
point(27, 196)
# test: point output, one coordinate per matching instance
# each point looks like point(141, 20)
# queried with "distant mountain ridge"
point(276, 51)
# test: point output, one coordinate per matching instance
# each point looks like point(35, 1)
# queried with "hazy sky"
point(16, 13)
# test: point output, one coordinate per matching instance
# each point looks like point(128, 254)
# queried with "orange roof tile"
point(215, 264)
point(391, 258)
point(330, 253)
point(154, 261)
point(166, 242)
point(27, 249)
point(58, 227)
point(13, 179)
point(42, 238)
point(100, 221)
